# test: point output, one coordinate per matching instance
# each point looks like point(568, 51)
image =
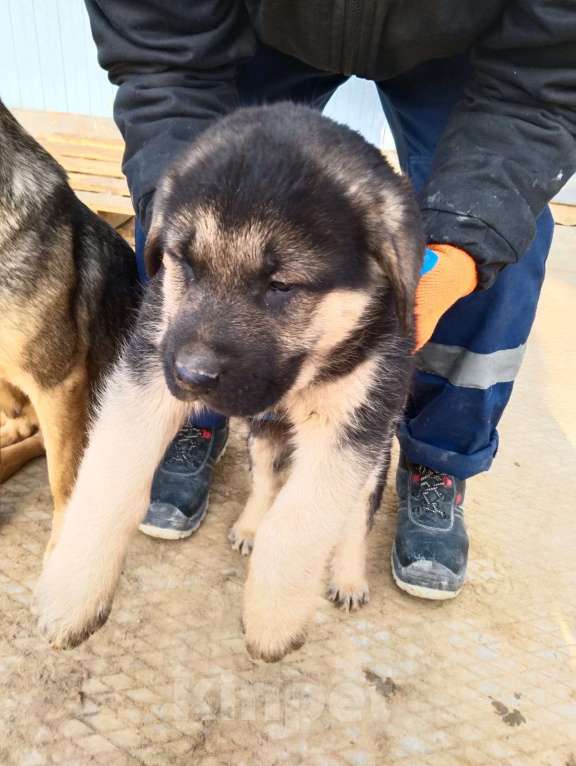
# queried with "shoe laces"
point(432, 491)
point(189, 446)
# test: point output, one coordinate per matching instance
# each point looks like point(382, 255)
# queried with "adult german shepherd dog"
point(286, 254)
point(68, 293)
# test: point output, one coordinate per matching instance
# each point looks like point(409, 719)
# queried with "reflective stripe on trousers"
point(465, 368)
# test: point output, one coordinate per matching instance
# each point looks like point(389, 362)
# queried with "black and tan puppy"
point(286, 254)
point(68, 292)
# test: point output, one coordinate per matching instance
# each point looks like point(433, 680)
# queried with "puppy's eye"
point(278, 294)
point(279, 287)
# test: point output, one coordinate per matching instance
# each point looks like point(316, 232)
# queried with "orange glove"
point(451, 277)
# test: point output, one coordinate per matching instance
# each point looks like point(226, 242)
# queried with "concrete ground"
point(487, 679)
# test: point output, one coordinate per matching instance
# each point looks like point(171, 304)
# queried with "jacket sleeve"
point(175, 67)
point(510, 145)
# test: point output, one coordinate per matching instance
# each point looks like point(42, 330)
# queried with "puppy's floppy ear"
point(153, 214)
point(153, 252)
point(396, 242)
point(400, 257)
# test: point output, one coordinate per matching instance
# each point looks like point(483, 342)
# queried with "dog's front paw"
point(70, 604)
point(272, 641)
point(349, 596)
point(241, 539)
point(273, 627)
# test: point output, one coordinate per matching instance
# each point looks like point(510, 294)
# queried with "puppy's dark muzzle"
point(197, 372)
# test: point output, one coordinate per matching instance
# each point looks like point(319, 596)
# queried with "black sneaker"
point(180, 489)
point(431, 547)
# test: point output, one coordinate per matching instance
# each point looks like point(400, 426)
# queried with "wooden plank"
point(126, 230)
point(67, 137)
point(118, 221)
point(108, 152)
point(109, 203)
point(84, 182)
point(44, 123)
point(565, 215)
point(90, 167)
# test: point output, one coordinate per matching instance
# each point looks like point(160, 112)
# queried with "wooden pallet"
point(90, 150)
point(565, 215)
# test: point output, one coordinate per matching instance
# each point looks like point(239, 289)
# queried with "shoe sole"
point(421, 591)
point(165, 533)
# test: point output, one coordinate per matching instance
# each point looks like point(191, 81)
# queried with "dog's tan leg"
point(348, 587)
point(137, 419)
point(63, 416)
point(329, 475)
point(294, 541)
point(266, 482)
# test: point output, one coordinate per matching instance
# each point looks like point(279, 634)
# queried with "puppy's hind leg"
point(269, 452)
point(137, 419)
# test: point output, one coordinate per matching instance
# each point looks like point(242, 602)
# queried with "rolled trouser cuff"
point(443, 460)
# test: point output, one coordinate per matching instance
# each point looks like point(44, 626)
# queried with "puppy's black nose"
point(198, 370)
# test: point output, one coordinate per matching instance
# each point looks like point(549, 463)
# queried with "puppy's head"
point(270, 259)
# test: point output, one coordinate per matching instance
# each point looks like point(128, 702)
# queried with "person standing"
point(481, 99)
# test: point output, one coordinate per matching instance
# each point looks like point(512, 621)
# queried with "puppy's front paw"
point(273, 627)
point(241, 539)
point(272, 642)
point(349, 596)
point(71, 604)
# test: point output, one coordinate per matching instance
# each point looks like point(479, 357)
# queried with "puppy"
point(286, 255)
point(68, 294)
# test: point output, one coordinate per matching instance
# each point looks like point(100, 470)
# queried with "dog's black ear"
point(398, 248)
point(153, 252)
point(400, 259)
point(397, 243)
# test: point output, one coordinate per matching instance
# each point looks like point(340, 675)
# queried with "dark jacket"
point(509, 146)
